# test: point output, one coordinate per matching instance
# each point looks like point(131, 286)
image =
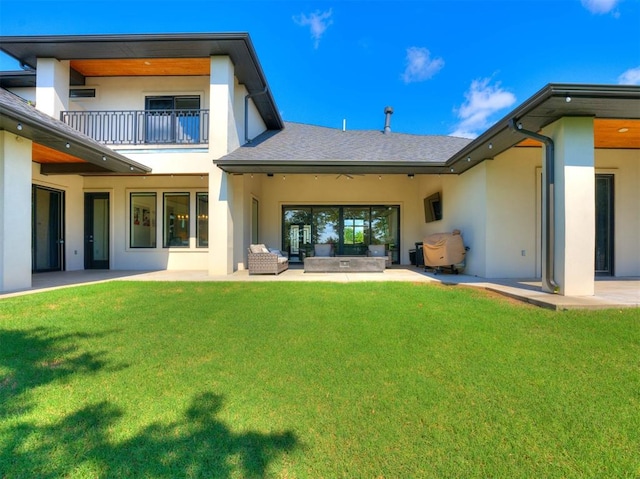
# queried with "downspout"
point(549, 190)
point(246, 112)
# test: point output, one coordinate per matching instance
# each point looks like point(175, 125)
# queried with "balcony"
point(142, 127)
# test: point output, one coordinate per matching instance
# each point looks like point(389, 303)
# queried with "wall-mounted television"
point(432, 208)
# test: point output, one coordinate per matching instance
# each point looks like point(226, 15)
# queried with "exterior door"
point(604, 225)
point(96, 230)
point(47, 229)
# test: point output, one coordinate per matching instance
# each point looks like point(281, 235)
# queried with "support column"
point(221, 122)
point(15, 212)
point(574, 211)
point(52, 86)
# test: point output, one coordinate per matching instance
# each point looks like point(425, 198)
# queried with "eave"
point(332, 167)
point(551, 103)
point(25, 121)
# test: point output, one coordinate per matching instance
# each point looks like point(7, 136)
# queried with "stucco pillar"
point(221, 122)
point(15, 212)
point(52, 86)
point(222, 125)
point(220, 223)
point(574, 211)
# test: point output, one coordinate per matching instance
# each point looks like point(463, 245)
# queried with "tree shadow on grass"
point(36, 357)
point(196, 445)
point(82, 443)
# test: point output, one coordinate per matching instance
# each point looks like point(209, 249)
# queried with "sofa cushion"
point(258, 248)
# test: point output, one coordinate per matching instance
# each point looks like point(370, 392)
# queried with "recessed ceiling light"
point(147, 63)
point(623, 130)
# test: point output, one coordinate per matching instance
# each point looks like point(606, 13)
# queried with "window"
point(82, 93)
point(142, 229)
point(254, 221)
point(176, 220)
point(172, 119)
point(202, 225)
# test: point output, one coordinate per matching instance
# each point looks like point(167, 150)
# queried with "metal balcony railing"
point(142, 127)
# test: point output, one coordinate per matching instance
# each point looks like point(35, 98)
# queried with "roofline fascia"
point(332, 166)
point(548, 91)
point(147, 37)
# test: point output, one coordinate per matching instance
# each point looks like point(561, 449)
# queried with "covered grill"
point(444, 251)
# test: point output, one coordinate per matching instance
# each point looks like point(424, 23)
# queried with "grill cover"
point(443, 249)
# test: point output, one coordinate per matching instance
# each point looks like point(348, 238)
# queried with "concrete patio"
point(610, 292)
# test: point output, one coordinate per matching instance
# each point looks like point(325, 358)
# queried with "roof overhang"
point(551, 103)
point(17, 117)
point(238, 46)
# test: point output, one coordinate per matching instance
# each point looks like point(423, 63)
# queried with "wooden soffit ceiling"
point(143, 67)
point(609, 134)
point(44, 154)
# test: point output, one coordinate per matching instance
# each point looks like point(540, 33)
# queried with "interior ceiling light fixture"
point(67, 145)
point(19, 126)
point(624, 129)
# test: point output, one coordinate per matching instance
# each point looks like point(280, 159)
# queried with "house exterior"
point(145, 152)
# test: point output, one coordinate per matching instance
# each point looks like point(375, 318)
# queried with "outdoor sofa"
point(261, 260)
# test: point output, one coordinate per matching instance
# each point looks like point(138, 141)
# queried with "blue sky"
point(446, 67)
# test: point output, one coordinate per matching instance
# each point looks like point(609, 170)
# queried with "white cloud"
point(630, 77)
point(599, 7)
point(318, 22)
point(482, 101)
point(420, 66)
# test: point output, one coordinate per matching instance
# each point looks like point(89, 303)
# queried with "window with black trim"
point(142, 227)
point(172, 119)
point(202, 225)
point(176, 220)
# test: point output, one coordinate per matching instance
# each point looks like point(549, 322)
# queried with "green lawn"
point(312, 380)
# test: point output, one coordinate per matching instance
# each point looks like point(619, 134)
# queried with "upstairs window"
point(172, 119)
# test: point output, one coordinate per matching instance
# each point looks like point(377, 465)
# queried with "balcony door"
point(172, 119)
point(47, 243)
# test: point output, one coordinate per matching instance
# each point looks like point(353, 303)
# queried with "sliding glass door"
point(351, 229)
point(47, 243)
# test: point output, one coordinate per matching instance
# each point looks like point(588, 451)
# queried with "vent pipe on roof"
point(549, 193)
point(388, 111)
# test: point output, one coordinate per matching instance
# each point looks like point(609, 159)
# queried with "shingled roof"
point(301, 148)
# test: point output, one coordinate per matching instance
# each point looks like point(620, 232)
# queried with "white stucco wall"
point(128, 93)
point(52, 86)
point(512, 214)
point(122, 256)
point(464, 199)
